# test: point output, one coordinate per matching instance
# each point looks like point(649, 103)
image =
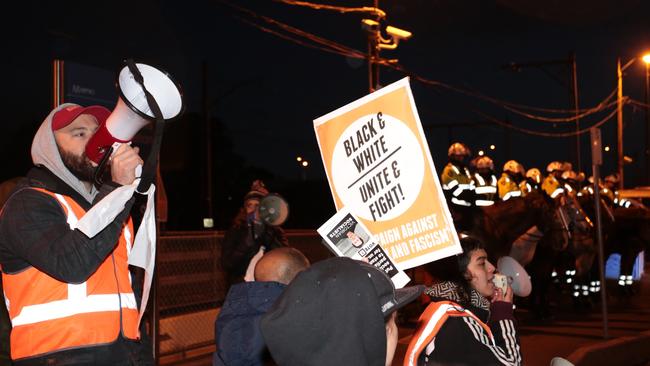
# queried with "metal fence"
point(190, 288)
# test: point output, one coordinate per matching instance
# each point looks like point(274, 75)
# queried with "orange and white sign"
point(378, 165)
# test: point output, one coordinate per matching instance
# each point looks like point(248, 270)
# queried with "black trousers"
point(122, 352)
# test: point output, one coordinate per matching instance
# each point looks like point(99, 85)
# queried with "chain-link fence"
point(190, 289)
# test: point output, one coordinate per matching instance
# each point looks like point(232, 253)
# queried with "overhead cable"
point(334, 47)
point(545, 134)
point(341, 9)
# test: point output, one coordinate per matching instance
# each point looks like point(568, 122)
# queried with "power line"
point(341, 9)
point(507, 105)
point(601, 106)
point(300, 42)
point(334, 47)
point(638, 103)
point(545, 134)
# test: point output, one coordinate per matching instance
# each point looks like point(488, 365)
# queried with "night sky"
point(260, 93)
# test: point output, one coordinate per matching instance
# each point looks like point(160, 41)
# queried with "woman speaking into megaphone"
point(467, 310)
point(248, 233)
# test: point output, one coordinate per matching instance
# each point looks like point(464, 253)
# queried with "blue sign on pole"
point(89, 85)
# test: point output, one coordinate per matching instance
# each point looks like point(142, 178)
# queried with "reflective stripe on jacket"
point(485, 190)
point(48, 315)
point(508, 188)
point(430, 322)
point(552, 186)
point(457, 183)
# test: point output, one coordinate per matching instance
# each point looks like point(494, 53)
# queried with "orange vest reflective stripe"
point(48, 315)
point(430, 322)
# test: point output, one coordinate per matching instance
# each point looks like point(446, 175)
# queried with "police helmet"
point(553, 166)
point(534, 174)
point(458, 148)
point(513, 167)
point(484, 162)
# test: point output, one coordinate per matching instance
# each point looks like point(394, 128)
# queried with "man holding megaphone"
point(70, 298)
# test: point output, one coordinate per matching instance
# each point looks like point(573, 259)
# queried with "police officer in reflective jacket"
point(485, 182)
point(457, 184)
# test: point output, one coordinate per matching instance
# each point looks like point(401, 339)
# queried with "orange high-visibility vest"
point(430, 322)
point(48, 315)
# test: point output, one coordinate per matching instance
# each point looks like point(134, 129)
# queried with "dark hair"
point(454, 268)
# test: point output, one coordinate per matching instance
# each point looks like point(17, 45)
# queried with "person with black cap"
point(71, 299)
point(248, 236)
point(469, 321)
point(338, 312)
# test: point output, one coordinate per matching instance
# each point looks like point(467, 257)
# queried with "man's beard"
point(79, 166)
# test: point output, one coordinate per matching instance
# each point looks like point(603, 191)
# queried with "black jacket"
point(461, 341)
point(34, 232)
point(239, 246)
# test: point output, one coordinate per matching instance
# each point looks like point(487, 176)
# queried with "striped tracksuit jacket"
point(463, 340)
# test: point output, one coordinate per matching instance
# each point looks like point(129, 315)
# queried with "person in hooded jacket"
point(466, 309)
point(70, 297)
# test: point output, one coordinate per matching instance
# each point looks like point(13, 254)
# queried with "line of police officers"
point(464, 188)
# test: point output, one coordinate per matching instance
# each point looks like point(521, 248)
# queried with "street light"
point(646, 61)
point(619, 114)
point(303, 164)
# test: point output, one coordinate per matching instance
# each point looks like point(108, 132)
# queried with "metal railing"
point(190, 287)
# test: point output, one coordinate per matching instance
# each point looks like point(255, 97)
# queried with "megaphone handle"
point(99, 171)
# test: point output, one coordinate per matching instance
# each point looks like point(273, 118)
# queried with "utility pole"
point(377, 42)
point(597, 160)
point(619, 111)
point(208, 220)
point(574, 78)
point(619, 118)
point(373, 54)
point(647, 121)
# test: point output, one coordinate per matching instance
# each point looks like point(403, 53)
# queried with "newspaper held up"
point(346, 236)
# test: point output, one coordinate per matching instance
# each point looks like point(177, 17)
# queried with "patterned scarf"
point(451, 291)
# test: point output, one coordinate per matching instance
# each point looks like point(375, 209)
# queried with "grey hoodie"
point(46, 153)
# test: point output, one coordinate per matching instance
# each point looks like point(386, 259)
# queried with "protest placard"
point(346, 236)
point(378, 165)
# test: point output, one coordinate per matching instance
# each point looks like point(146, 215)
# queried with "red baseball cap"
point(68, 114)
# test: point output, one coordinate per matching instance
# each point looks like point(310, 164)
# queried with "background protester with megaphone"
point(249, 235)
point(469, 321)
point(71, 298)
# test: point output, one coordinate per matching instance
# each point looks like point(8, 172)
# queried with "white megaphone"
point(559, 361)
point(516, 276)
point(274, 210)
point(132, 111)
